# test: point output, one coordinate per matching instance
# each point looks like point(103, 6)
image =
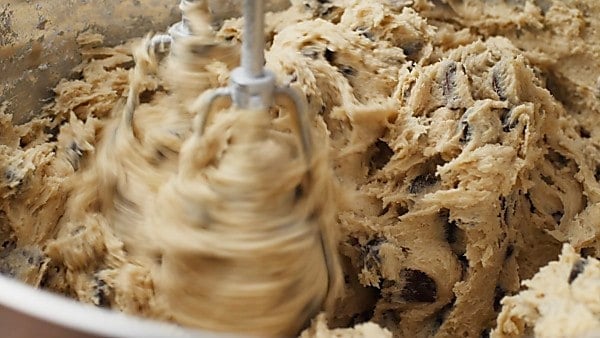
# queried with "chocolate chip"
point(412, 49)
point(510, 249)
point(497, 85)
point(532, 207)
point(578, 268)
point(367, 34)
point(584, 133)
point(465, 128)
point(381, 156)
point(401, 210)
point(558, 215)
point(298, 192)
point(597, 173)
point(499, 293)
point(146, 96)
point(505, 118)
point(557, 159)
point(450, 227)
point(329, 55)
point(52, 133)
point(385, 210)
point(485, 333)
point(101, 292)
point(370, 253)
point(418, 287)
point(588, 252)
point(548, 180)
point(347, 70)
point(421, 182)
point(449, 81)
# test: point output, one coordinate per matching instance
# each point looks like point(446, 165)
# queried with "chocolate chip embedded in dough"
point(329, 55)
point(497, 84)
point(510, 250)
point(347, 70)
point(465, 128)
point(449, 80)
point(499, 293)
point(370, 253)
point(450, 227)
point(505, 118)
point(381, 156)
point(577, 269)
point(588, 252)
point(421, 182)
point(557, 216)
point(418, 287)
point(101, 293)
point(557, 159)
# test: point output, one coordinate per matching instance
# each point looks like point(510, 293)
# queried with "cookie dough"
point(562, 300)
point(462, 136)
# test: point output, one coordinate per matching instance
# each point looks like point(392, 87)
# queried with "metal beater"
point(251, 85)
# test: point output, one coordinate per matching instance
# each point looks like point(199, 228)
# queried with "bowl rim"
point(68, 313)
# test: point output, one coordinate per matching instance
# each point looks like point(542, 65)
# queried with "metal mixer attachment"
point(251, 85)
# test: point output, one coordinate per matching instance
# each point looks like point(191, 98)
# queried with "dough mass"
point(462, 135)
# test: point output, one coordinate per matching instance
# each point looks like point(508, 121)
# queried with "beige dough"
point(562, 300)
point(461, 136)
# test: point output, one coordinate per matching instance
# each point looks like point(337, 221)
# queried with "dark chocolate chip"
point(412, 49)
point(505, 117)
point(381, 156)
point(465, 128)
point(557, 159)
point(298, 192)
point(558, 215)
point(485, 333)
point(52, 133)
point(101, 291)
point(510, 250)
point(497, 86)
point(448, 83)
point(548, 180)
point(421, 182)
point(418, 287)
point(597, 173)
point(329, 55)
point(370, 253)
point(401, 210)
point(532, 207)
point(384, 210)
point(584, 133)
point(450, 227)
point(588, 252)
point(499, 293)
point(146, 96)
point(347, 70)
point(578, 268)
